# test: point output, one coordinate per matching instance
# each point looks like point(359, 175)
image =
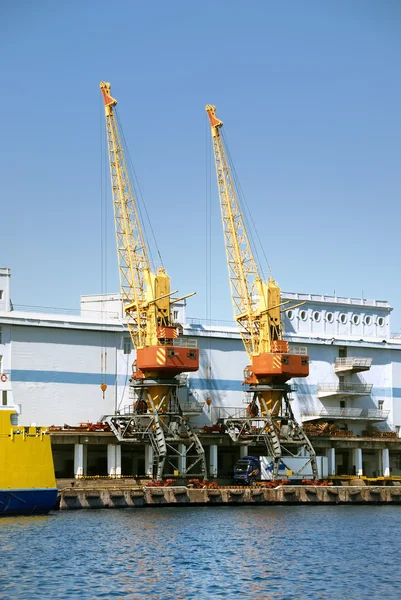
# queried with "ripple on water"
point(205, 553)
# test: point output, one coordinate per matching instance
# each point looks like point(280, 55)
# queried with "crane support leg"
point(274, 425)
point(163, 424)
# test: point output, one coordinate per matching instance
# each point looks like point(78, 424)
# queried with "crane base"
point(164, 426)
point(275, 427)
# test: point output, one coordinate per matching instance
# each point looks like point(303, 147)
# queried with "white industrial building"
point(52, 366)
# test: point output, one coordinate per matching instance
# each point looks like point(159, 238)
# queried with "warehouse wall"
point(56, 374)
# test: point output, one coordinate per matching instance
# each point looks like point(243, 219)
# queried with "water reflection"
point(204, 553)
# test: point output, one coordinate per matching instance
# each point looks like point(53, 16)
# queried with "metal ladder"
point(272, 440)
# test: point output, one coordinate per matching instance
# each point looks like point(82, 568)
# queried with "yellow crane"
point(162, 353)
point(258, 311)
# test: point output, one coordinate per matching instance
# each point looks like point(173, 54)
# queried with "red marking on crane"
point(214, 122)
point(107, 99)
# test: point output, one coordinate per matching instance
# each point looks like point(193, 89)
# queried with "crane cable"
point(247, 214)
point(139, 200)
point(208, 259)
point(103, 251)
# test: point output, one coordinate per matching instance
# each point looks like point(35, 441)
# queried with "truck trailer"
point(251, 469)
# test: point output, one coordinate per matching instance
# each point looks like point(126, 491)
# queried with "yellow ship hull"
point(27, 480)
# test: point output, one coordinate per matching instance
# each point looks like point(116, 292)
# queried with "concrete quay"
point(123, 494)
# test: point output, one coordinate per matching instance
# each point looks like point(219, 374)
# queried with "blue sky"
point(310, 96)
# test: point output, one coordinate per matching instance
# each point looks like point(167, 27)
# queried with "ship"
point(27, 479)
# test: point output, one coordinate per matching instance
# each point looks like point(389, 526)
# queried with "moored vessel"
point(27, 479)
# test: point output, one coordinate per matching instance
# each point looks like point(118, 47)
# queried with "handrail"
point(192, 406)
point(335, 411)
point(353, 362)
point(218, 322)
point(78, 312)
point(227, 412)
point(299, 350)
point(186, 342)
point(357, 388)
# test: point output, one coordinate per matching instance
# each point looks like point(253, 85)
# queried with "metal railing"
point(51, 310)
point(190, 407)
point(193, 407)
point(218, 322)
point(186, 342)
point(363, 389)
point(219, 413)
point(334, 299)
point(353, 362)
point(300, 350)
point(377, 412)
point(336, 412)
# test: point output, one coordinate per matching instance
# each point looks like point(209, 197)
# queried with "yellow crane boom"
point(146, 296)
point(257, 310)
point(156, 414)
point(256, 303)
point(133, 258)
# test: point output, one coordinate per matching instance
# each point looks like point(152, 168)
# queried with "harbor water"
point(278, 552)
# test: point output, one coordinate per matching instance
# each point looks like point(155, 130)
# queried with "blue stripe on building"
point(220, 385)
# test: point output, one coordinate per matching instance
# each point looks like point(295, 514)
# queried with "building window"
point(175, 315)
point(343, 318)
point(380, 321)
point(1, 336)
point(329, 317)
point(316, 315)
point(302, 314)
point(1, 294)
point(355, 319)
point(4, 398)
point(380, 404)
point(290, 315)
point(368, 320)
point(127, 345)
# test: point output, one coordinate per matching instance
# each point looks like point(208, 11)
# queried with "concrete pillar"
point(114, 460)
point(386, 462)
point(213, 461)
point(357, 461)
point(111, 460)
point(79, 460)
point(331, 455)
point(379, 467)
point(118, 461)
point(243, 451)
point(182, 459)
point(149, 460)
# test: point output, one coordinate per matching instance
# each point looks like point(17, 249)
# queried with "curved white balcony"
point(352, 365)
point(341, 389)
point(345, 414)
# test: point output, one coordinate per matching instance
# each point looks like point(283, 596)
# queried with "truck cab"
point(247, 470)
